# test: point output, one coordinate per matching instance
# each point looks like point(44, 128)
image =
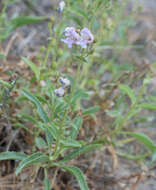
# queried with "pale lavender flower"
point(86, 37)
point(78, 37)
point(61, 6)
point(64, 81)
point(72, 37)
point(59, 92)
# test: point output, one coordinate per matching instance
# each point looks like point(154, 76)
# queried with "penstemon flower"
point(77, 37)
point(64, 81)
point(86, 37)
point(72, 37)
point(59, 92)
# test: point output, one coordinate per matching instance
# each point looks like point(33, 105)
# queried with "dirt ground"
point(103, 169)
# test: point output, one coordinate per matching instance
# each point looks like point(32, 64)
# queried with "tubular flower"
point(64, 81)
point(72, 37)
point(78, 37)
point(59, 92)
point(86, 37)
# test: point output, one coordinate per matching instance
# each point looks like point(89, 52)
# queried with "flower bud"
point(61, 6)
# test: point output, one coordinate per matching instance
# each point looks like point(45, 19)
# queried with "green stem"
point(59, 136)
point(47, 53)
point(56, 151)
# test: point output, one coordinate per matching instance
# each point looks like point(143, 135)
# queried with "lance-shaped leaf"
point(7, 84)
point(49, 138)
point(76, 127)
point(20, 21)
point(12, 156)
point(148, 106)
point(46, 184)
point(79, 151)
point(71, 143)
point(143, 139)
point(52, 129)
point(91, 110)
point(33, 67)
point(77, 173)
point(35, 158)
point(128, 91)
point(40, 109)
point(40, 143)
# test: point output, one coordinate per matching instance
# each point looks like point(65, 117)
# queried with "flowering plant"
point(57, 108)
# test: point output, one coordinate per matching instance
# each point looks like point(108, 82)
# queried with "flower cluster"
point(78, 37)
point(59, 92)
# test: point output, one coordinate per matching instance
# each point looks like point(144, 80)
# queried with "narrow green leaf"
point(12, 156)
point(23, 127)
point(52, 129)
point(49, 138)
point(78, 175)
point(20, 21)
point(8, 85)
point(128, 91)
point(76, 127)
point(133, 157)
point(46, 184)
point(90, 110)
point(144, 139)
point(33, 67)
point(41, 99)
point(40, 109)
point(28, 117)
point(79, 94)
point(61, 106)
point(35, 158)
point(71, 143)
point(24, 20)
point(40, 143)
point(148, 106)
point(152, 98)
point(79, 151)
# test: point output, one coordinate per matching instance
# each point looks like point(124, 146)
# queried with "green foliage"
point(148, 106)
point(91, 110)
point(40, 143)
point(144, 139)
point(78, 175)
point(37, 103)
point(79, 151)
point(12, 156)
point(33, 67)
point(52, 130)
point(57, 123)
point(7, 84)
point(46, 184)
point(17, 22)
point(76, 127)
point(35, 158)
point(128, 91)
